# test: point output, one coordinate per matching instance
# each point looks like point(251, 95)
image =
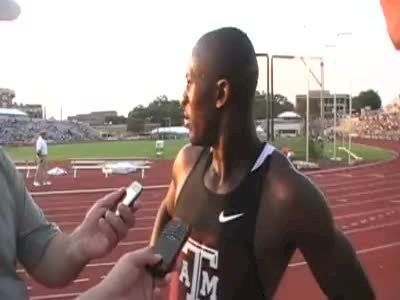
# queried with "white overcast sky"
point(87, 55)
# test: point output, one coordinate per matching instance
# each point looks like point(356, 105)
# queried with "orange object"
point(285, 150)
point(391, 11)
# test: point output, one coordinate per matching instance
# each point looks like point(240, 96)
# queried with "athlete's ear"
point(223, 92)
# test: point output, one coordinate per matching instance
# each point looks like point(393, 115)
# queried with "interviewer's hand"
point(129, 279)
point(102, 229)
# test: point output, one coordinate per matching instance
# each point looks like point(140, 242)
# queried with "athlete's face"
point(202, 104)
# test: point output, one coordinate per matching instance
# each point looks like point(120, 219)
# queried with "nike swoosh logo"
point(223, 219)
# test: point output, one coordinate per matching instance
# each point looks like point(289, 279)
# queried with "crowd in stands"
point(25, 131)
point(378, 124)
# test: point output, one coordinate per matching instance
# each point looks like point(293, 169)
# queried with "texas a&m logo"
point(198, 281)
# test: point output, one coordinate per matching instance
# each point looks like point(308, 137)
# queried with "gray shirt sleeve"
point(34, 231)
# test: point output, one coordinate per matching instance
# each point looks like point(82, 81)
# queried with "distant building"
point(111, 130)
point(170, 132)
point(342, 104)
point(7, 101)
point(6, 98)
point(288, 124)
point(12, 113)
point(32, 110)
point(94, 118)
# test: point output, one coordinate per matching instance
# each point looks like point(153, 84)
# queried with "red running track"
point(365, 203)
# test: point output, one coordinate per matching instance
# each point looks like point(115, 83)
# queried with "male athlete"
point(248, 207)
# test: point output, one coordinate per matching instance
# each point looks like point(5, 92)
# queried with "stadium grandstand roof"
point(11, 112)
point(289, 114)
point(172, 129)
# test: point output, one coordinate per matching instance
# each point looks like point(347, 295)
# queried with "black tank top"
point(218, 262)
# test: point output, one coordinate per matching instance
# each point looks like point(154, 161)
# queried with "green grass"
point(100, 149)
point(147, 149)
point(368, 153)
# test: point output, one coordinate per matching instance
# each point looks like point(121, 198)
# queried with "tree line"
point(166, 112)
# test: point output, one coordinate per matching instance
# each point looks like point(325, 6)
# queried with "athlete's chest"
point(218, 253)
point(217, 220)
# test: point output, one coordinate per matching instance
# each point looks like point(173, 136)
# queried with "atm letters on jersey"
point(198, 280)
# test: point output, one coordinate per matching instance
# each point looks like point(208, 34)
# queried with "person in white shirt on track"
point(41, 176)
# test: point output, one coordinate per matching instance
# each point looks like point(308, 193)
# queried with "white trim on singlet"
point(267, 151)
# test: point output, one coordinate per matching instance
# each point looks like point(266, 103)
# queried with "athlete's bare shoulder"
point(294, 214)
point(290, 200)
point(286, 184)
point(184, 163)
point(292, 205)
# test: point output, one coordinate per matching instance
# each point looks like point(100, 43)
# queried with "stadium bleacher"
point(25, 131)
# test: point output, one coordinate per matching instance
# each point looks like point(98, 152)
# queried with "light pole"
point(169, 125)
point(320, 82)
point(267, 100)
point(272, 88)
point(350, 102)
point(309, 71)
point(338, 35)
point(334, 104)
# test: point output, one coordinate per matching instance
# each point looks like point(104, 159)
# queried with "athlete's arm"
point(327, 251)
point(164, 213)
point(293, 214)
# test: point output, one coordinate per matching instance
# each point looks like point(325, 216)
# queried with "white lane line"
point(58, 202)
point(134, 243)
point(342, 200)
point(373, 227)
point(78, 223)
point(83, 208)
point(380, 199)
point(54, 296)
point(89, 191)
point(128, 243)
point(345, 190)
point(376, 175)
point(367, 212)
point(344, 175)
point(354, 182)
point(362, 251)
point(358, 167)
point(140, 228)
point(81, 280)
point(357, 194)
point(370, 228)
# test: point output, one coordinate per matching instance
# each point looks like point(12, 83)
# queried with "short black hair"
point(231, 55)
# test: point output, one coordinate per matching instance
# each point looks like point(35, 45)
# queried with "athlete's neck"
point(234, 151)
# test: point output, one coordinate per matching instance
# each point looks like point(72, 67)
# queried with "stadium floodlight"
point(268, 110)
point(284, 56)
